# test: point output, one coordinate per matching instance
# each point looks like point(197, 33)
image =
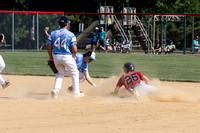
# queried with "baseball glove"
point(52, 66)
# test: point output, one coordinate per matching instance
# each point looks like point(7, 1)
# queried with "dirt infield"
point(26, 107)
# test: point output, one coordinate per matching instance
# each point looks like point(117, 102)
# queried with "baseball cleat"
point(137, 95)
point(70, 89)
point(6, 84)
point(54, 94)
point(79, 95)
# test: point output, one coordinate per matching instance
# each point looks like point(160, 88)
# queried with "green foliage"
point(24, 22)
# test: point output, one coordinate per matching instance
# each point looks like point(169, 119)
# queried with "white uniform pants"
point(2, 66)
point(143, 89)
point(62, 61)
point(81, 75)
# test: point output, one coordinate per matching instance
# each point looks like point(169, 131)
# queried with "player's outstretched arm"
point(89, 79)
point(145, 79)
point(116, 90)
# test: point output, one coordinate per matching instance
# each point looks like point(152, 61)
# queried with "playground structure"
point(131, 28)
point(116, 27)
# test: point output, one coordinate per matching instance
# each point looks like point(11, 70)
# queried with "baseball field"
point(26, 105)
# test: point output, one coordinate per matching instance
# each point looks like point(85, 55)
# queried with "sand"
point(26, 107)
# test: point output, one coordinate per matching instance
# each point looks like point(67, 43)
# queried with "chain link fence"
point(26, 31)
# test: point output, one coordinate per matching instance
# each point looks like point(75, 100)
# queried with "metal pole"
point(128, 19)
point(161, 37)
point(148, 32)
point(166, 33)
point(122, 19)
point(33, 22)
point(192, 34)
point(82, 26)
point(154, 29)
point(13, 30)
point(105, 16)
point(99, 15)
point(37, 32)
point(184, 34)
point(99, 23)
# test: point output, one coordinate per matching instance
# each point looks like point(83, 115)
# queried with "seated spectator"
point(108, 45)
point(126, 47)
point(196, 44)
point(170, 48)
point(117, 46)
point(157, 49)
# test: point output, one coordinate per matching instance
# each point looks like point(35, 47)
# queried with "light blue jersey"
point(62, 40)
point(82, 66)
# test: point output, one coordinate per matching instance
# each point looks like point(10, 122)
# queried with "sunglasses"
point(91, 59)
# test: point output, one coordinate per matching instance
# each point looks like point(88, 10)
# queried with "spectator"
point(2, 40)
point(170, 48)
point(95, 38)
point(102, 39)
point(46, 36)
point(196, 44)
point(117, 46)
point(108, 46)
point(157, 49)
point(126, 47)
point(31, 38)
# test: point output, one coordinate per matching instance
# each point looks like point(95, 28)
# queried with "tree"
point(15, 5)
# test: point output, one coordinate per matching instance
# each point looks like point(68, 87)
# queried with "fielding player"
point(133, 82)
point(82, 61)
point(2, 81)
point(64, 55)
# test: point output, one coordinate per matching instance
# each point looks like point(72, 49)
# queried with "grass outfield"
point(163, 67)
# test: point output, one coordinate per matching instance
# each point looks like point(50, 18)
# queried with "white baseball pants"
point(81, 75)
point(2, 66)
point(143, 89)
point(62, 61)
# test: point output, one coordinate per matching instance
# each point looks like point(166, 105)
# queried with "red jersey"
point(129, 80)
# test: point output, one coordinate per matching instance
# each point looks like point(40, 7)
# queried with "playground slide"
point(87, 32)
point(90, 29)
point(108, 34)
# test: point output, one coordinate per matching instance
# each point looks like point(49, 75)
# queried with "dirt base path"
point(26, 107)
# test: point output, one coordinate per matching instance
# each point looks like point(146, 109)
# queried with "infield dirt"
point(26, 107)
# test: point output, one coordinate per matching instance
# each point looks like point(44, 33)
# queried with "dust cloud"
point(166, 92)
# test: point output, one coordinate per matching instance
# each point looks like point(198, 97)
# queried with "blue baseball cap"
point(64, 19)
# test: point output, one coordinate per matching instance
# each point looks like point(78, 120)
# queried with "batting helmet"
point(129, 67)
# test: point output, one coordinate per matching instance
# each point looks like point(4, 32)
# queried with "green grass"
point(26, 63)
point(163, 67)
